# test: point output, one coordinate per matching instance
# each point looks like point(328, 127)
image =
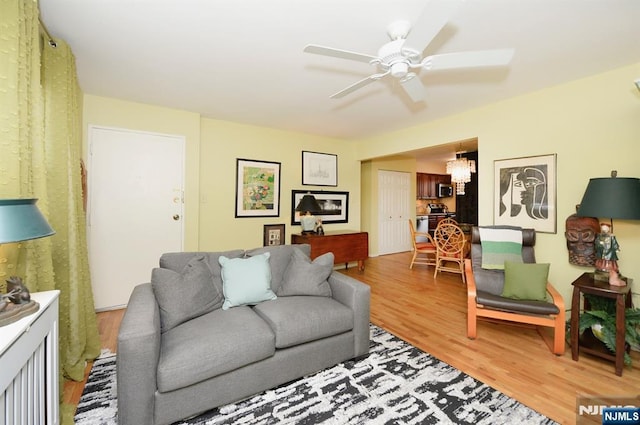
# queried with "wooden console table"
point(588, 343)
point(346, 246)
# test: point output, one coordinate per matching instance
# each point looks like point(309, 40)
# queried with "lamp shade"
point(309, 203)
point(611, 197)
point(21, 220)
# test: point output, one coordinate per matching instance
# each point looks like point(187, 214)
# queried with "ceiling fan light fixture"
point(399, 69)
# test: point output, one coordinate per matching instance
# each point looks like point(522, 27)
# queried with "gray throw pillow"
point(306, 277)
point(186, 295)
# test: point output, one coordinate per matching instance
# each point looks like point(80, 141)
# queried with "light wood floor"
point(431, 314)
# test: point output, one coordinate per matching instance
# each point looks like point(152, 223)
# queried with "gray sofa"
point(181, 353)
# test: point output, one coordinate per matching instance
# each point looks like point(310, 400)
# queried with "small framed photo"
point(319, 169)
point(525, 192)
point(257, 188)
point(273, 235)
point(335, 206)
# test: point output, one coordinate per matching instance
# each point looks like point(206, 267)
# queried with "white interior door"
point(394, 191)
point(135, 182)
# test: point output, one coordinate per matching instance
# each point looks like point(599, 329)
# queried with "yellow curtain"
point(40, 151)
point(63, 132)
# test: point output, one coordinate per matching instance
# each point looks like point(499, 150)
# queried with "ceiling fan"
point(402, 58)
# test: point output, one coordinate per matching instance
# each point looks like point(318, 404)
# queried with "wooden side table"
point(346, 246)
point(589, 344)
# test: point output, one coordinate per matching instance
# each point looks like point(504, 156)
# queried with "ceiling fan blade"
point(434, 16)
point(471, 59)
point(414, 88)
point(357, 85)
point(339, 53)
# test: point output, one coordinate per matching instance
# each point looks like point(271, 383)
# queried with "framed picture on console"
point(257, 188)
point(335, 206)
point(525, 192)
point(319, 169)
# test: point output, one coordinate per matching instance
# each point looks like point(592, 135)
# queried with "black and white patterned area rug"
point(395, 384)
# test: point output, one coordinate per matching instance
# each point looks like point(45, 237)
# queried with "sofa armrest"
point(357, 296)
point(137, 359)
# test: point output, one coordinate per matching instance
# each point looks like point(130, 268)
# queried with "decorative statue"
point(607, 254)
point(17, 291)
point(17, 302)
point(581, 235)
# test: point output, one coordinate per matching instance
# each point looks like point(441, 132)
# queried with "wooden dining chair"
point(450, 248)
point(424, 249)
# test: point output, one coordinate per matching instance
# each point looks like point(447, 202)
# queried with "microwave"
point(445, 190)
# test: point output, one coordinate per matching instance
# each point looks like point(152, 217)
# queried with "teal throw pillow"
point(246, 281)
point(525, 281)
point(186, 295)
point(499, 246)
point(306, 277)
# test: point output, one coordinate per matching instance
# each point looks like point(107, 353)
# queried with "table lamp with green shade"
point(20, 220)
point(308, 206)
point(610, 197)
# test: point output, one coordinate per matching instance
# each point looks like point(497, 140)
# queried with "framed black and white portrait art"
point(525, 192)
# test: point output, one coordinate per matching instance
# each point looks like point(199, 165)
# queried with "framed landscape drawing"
point(525, 192)
point(335, 206)
point(257, 188)
point(319, 169)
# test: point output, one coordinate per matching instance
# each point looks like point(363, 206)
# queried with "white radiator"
point(29, 366)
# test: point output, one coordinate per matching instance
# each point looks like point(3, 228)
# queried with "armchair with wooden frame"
point(424, 249)
point(485, 300)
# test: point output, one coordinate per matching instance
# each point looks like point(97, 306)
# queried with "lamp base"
point(308, 232)
point(601, 275)
point(612, 277)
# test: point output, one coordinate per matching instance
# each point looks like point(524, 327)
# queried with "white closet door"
point(394, 203)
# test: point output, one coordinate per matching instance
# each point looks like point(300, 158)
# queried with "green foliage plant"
point(603, 312)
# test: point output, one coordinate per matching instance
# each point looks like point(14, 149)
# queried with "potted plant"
point(601, 320)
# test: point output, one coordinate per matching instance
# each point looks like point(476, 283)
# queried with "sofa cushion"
point(246, 280)
point(185, 295)
point(299, 319)
point(525, 281)
point(280, 257)
point(212, 344)
point(306, 277)
point(177, 260)
point(500, 245)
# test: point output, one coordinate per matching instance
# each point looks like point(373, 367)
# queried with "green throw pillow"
point(525, 281)
point(246, 281)
point(499, 246)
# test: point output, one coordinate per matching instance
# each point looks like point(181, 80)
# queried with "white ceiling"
point(243, 60)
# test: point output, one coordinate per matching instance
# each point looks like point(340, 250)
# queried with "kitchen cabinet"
point(427, 184)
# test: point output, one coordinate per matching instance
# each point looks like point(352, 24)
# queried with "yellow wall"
point(222, 142)
point(211, 152)
point(115, 113)
point(592, 124)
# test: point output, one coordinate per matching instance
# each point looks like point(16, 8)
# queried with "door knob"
point(176, 217)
